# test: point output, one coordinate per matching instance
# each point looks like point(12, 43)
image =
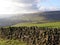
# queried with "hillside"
point(39, 17)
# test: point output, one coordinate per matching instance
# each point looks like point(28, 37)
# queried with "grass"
point(50, 24)
point(11, 42)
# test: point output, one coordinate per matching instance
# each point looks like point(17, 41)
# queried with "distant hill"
point(49, 16)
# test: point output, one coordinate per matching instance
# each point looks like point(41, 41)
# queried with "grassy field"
point(50, 24)
point(11, 42)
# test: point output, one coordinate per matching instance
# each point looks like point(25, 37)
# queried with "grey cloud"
point(30, 8)
point(24, 1)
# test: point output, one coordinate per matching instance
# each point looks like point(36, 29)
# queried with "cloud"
point(28, 5)
point(17, 6)
point(36, 5)
point(52, 8)
point(24, 1)
point(22, 6)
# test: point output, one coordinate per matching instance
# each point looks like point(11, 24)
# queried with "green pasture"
point(50, 24)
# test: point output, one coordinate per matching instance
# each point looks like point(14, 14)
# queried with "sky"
point(27, 6)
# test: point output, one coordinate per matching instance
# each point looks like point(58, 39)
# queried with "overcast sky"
point(27, 6)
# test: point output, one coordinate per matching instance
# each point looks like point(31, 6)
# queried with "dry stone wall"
point(32, 35)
